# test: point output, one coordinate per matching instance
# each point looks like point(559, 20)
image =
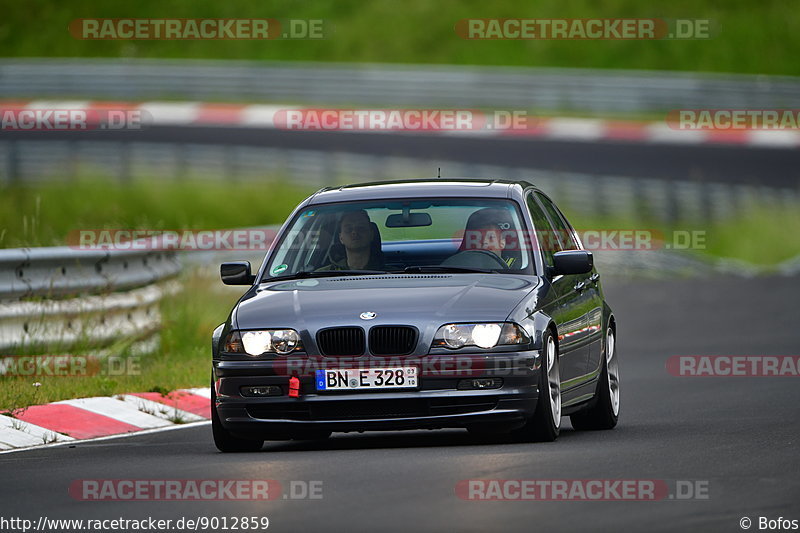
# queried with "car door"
point(583, 329)
point(561, 300)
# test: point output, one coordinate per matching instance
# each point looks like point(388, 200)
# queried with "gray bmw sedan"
point(416, 304)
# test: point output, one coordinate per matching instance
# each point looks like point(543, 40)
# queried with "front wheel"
point(224, 441)
point(545, 424)
point(604, 414)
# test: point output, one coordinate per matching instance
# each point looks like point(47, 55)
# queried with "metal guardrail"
point(64, 271)
point(63, 296)
point(598, 195)
point(556, 89)
point(90, 320)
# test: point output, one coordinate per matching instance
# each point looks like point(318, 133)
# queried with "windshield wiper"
point(323, 274)
point(442, 268)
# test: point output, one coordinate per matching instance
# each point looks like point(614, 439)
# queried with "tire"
point(223, 440)
point(604, 412)
point(545, 424)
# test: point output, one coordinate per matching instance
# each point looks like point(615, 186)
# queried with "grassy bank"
point(749, 37)
point(44, 215)
point(760, 236)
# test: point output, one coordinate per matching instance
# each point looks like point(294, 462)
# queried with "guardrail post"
point(12, 162)
point(73, 164)
point(600, 185)
point(231, 166)
point(641, 206)
point(330, 168)
point(125, 162)
point(671, 204)
point(181, 163)
point(707, 214)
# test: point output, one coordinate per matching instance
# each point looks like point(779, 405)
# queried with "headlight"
point(488, 335)
point(285, 341)
point(258, 342)
point(454, 336)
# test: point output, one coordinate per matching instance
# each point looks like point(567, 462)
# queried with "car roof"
point(421, 188)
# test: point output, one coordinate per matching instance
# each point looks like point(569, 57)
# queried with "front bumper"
point(436, 403)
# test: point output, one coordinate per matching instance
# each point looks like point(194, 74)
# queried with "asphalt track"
point(751, 165)
point(738, 435)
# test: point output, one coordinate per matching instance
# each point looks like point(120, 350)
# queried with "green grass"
point(764, 237)
point(751, 37)
point(760, 236)
point(32, 215)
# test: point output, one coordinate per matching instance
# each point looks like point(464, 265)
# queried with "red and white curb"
point(572, 129)
point(104, 416)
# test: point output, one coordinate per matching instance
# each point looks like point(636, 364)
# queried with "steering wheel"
point(476, 259)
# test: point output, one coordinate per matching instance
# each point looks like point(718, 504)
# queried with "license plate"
point(403, 377)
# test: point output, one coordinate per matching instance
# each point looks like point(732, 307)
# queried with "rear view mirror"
point(236, 273)
point(573, 262)
point(408, 220)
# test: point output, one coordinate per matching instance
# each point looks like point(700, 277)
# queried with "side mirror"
point(573, 262)
point(236, 273)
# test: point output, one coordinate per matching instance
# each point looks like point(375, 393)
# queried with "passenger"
point(361, 242)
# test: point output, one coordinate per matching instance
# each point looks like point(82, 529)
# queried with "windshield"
point(430, 235)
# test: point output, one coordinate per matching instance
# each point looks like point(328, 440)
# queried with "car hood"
point(422, 300)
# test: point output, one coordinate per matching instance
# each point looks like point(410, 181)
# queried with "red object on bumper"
point(294, 387)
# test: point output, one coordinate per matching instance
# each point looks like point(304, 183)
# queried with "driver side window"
point(565, 233)
point(546, 237)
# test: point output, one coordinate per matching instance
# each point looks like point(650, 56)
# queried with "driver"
point(361, 243)
point(486, 230)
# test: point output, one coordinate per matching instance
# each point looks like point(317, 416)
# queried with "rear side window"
point(545, 235)
point(564, 232)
